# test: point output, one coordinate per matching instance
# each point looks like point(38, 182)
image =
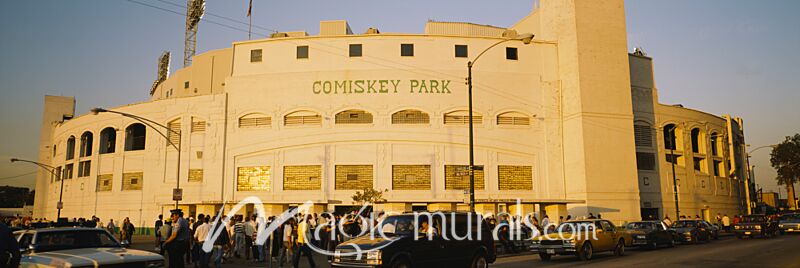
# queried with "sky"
point(718, 56)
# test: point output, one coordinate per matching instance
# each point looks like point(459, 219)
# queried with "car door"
point(604, 238)
point(662, 234)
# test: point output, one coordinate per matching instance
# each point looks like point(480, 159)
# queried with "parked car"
point(756, 225)
point(693, 231)
point(581, 238)
point(79, 247)
point(649, 234)
point(789, 223)
point(401, 246)
point(715, 229)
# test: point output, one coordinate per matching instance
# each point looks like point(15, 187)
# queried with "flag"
point(250, 9)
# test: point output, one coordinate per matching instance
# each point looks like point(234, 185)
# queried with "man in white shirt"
point(726, 222)
point(200, 234)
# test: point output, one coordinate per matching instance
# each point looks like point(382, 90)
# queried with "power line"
point(17, 176)
point(205, 20)
point(221, 17)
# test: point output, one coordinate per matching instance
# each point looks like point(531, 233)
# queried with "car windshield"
point(684, 224)
point(753, 218)
point(576, 226)
point(791, 217)
point(639, 226)
point(397, 225)
point(73, 239)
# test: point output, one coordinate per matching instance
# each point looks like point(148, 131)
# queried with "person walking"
point(177, 242)
point(164, 232)
point(200, 234)
point(726, 223)
point(157, 226)
point(302, 245)
point(249, 227)
point(128, 228)
point(9, 249)
point(111, 227)
point(288, 242)
point(223, 240)
point(238, 238)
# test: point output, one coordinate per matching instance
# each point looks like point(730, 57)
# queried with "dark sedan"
point(693, 231)
point(756, 225)
point(790, 223)
point(649, 234)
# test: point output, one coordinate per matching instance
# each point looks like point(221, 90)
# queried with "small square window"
point(186, 84)
point(302, 52)
point(511, 53)
point(407, 50)
point(255, 55)
point(352, 177)
point(461, 51)
point(355, 50)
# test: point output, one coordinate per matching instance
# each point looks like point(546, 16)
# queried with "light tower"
point(163, 70)
point(194, 12)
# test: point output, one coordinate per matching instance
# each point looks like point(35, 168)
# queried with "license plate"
point(551, 251)
point(747, 233)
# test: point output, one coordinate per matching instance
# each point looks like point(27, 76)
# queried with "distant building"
point(570, 124)
point(770, 199)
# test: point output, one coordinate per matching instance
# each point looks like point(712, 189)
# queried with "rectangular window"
point(198, 126)
point(411, 177)
point(461, 51)
point(515, 177)
point(645, 161)
point(353, 177)
point(355, 50)
point(255, 121)
point(643, 135)
point(68, 171)
point(407, 50)
point(699, 164)
point(186, 84)
point(302, 52)
point(196, 174)
point(174, 133)
point(132, 181)
point(253, 178)
point(306, 177)
point(675, 159)
point(255, 55)
point(456, 177)
point(511, 53)
point(410, 117)
point(60, 174)
point(718, 168)
point(84, 168)
point(104, 182)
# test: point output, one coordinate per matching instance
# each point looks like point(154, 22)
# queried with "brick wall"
point(253, 178)
point(353, 177)
point(411, 177)
point(453, 181)
point(515, 177)
point(302, 177)
point(132, 181)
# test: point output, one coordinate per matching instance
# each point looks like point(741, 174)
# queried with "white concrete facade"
point(559, 118)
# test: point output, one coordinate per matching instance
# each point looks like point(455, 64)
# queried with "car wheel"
point(653, 245)
point(694, 239)
point(545, 256)
point(586, 252)
point(479, 261)
point(619, 250)
point(401, 263)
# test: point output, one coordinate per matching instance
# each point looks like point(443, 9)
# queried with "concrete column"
point(524, 209)
point(441, 206)
point(554, 211)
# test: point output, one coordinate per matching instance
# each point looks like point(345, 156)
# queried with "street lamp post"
point(52, 171)
point(526, 39)
point(150, 123)
point(750, 174)
point(672, 160)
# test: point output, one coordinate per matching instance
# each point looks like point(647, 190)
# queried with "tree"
point(369, 195)
point(785, 158)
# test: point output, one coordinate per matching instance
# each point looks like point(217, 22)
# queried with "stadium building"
point(569, 124)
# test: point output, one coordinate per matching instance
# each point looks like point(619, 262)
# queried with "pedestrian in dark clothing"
point(158, 225)
point(177, 243)
point(9, 249)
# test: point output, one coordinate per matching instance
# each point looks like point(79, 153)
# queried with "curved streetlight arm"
point(146, 121)
point(761, 147)
point(487, 49)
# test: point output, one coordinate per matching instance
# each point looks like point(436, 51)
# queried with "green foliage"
point(15, 197)
point(785, 158)
point(369, 195)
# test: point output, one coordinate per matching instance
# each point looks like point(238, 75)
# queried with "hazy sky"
point(721, 56)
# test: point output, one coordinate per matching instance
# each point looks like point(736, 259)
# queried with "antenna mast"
point(194, 12)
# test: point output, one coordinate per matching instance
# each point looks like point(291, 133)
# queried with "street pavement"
point(728, 251)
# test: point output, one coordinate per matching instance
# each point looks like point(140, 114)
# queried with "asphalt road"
point(782, 251)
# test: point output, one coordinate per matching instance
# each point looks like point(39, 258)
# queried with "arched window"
point(71, 148)
point(513, 119)
point(255, 120)
point(108, 140)
point(671, 134)
point(354, 117)
point(461, 117)
point(86, 144)
point(410, 117)
point(300, 118)
point(135, 137)
point(698, 141)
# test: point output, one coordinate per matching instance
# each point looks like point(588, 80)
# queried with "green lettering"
point(445, 83)
point(384, 83)
point(434, 86)
point(314, 87)
point(336, 86)
point(326, 87)
point(395, 83)
point(359, 86)
point(422, 85)
point(414, 83)
point(371, 86)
